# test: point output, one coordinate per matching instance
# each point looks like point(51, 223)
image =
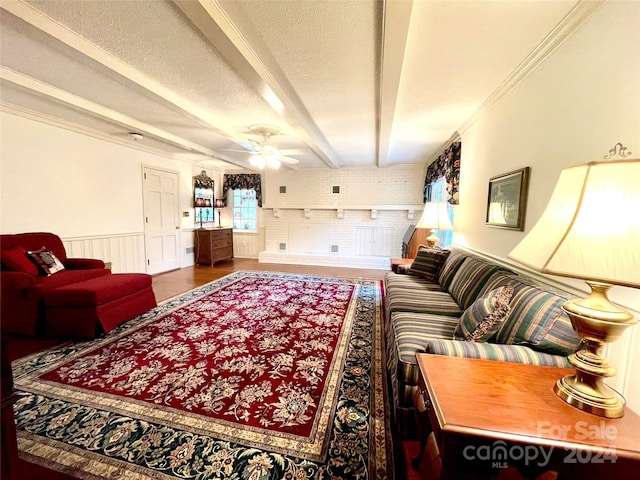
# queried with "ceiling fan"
point(264, 153)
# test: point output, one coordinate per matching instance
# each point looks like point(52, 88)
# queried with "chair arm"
point(15, 281)
point(83, 263)
point(495, 351)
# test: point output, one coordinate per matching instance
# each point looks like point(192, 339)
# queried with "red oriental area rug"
point(267, 363)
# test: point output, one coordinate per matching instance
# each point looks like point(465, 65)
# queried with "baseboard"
point(293, 258)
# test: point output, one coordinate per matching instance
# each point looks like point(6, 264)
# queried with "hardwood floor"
point(170, 284)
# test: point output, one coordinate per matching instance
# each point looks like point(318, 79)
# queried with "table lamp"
point(590, 230)
point(219, 204)
point(435, 216)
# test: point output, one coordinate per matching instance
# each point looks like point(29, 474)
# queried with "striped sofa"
point(433, 315)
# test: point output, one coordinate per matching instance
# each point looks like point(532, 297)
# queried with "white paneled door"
point(161, 222)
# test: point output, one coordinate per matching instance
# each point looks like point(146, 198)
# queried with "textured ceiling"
point(348, 83)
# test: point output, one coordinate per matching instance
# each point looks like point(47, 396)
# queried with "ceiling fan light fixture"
point(257, 161)
point(264, 153)
point(273, 162)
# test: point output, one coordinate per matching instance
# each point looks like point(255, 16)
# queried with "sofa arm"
point(494, 351)
point(83, 263)
point(403, 269)
point(18, 313)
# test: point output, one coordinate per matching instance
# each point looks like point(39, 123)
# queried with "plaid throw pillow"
point(46, 261)
point(428, 263)
point(484, 317)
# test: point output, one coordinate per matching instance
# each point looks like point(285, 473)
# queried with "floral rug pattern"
point(253, 376)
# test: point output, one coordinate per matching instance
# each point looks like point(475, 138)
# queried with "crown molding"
point(576, 17)
point(70, 100)
point(76, 128)
point(115, 66)
point(90, 132)
point(455, 137)
point(36, 116)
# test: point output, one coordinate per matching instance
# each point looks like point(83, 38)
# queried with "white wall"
point(572, 109)
point(82, 188)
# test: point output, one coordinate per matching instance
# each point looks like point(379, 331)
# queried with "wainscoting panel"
point(248, 245)
point(125, 251)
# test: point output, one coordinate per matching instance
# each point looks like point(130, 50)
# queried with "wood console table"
point(213, 245)
point(488, 415)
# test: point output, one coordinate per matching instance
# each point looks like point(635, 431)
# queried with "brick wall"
point(306, 219)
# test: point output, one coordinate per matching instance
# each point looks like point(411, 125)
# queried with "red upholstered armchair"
point(23, 284)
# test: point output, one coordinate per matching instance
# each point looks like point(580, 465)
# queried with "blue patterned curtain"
point(447, 165)
point(241, 181)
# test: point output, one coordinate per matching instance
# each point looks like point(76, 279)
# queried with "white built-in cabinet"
point(374, 241)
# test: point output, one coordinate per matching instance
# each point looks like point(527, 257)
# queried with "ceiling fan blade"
point(234, 150)
point(289, 160)
point(257, 146)
point(294, 151)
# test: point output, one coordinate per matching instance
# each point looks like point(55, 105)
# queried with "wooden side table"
point(395, 262)
point(487, 415)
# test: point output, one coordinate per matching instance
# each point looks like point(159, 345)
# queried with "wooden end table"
point(395, 262)
point(487, 415)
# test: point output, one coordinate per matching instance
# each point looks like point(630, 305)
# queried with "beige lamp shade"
point(591, 227)
point(435, 216)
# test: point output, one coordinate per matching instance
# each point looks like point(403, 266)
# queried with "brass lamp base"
point(587, 391)
point(597, 321)
point(431, 240)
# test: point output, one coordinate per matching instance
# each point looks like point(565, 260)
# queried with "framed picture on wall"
point(507, 200)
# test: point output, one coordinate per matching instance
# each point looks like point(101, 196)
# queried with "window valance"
point(241, 181)
point(447, 165)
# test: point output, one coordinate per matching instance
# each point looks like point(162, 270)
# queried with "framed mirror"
point(203, 201)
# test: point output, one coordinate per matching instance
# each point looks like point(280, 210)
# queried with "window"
point(438, 193)
point(245, 209)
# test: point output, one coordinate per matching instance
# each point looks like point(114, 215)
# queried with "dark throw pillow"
point(428, 263)
point(46, 261)
point(485, 316)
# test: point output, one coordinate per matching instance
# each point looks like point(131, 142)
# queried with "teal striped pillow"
point(484, 317)
point(537, 320)
point(428, 263)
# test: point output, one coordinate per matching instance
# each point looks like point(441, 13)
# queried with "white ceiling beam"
point(113, 65)
point(396, 18)
point(255, 64)
point(100, 111)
